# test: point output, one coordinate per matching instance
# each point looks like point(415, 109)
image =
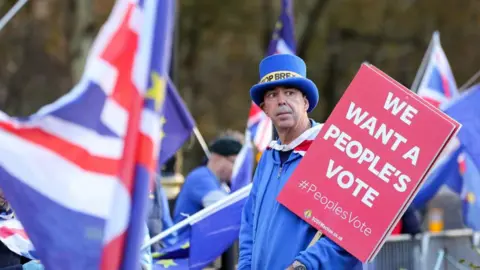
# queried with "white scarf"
point(301, 144)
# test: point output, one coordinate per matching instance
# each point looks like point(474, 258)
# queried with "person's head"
point(223, 152)
point(284, 92)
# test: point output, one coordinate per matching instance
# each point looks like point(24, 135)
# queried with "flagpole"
point(14, 10)
point(201, 141)
point(422, 67)
point(230, 199)
point(470, 81)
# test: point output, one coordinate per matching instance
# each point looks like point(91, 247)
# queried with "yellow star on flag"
point(162, 122)
point(162, 134)
point(186, 245)
point(156, 255)
point(470, 197)
point(278, 25)
point(166, 263)
point(157, 91)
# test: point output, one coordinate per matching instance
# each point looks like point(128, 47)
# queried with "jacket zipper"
point(280, 171)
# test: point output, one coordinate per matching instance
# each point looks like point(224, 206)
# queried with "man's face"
point(285, 106)
point(225, 167)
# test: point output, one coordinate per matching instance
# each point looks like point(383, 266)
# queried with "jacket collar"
point(301, 144)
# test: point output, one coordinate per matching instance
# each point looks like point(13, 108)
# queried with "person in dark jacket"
point(411, 222)
point(10, 260)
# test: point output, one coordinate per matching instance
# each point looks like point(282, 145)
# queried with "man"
point(272, 237)
point(203, 186)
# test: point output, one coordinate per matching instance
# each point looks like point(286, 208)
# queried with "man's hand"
point(296, 265)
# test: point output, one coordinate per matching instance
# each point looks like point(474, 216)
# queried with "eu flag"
point(466, 111)
point(470, 191)
point(177, 122)
point(444, 173)
point(211, 232)
point(283, 39)
point(171, 264)
point(243, 167)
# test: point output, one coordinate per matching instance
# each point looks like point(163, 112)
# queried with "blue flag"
point(283, 39)
point(466, 110)
point(177, 123)
point(211, 236)
point(178, 250)
point(444, 173)
point(470, 194)
point(171, 264)
point(243, 167)
point(210, 233)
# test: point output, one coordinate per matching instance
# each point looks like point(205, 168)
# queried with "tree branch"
point(351, 34)
point(267, 23)
point(312, 20)
point(329, 86)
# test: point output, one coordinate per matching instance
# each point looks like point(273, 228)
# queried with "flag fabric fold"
point(77, 172)
point(177, 122)
point(210, 232)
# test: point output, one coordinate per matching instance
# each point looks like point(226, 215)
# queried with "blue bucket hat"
point(286, 70)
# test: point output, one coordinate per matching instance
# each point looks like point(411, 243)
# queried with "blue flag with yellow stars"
point(177, 124)
point(171, 264)
point(283, 39)
point(175, 251)
point(466, 111)
point(470, 194)
point(207, 238)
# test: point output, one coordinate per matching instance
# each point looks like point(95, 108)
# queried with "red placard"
point(367, 162)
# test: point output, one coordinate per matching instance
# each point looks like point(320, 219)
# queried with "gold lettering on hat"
point(279, 75)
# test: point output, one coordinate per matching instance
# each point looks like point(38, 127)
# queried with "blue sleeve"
point(326, 254)
point(200, 186)
point(31, 265)
point(246, 227)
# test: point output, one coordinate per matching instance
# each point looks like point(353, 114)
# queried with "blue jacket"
point(272, 237)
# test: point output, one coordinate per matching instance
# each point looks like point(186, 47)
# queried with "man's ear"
point(262, 106)
point(307, 104)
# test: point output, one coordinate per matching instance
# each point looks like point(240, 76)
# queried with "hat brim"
point(306, 86)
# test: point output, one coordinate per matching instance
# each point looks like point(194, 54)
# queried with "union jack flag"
point(438, 87)
point(260, 127)
point(77, 172)
point(438, 84)
point(13, 236)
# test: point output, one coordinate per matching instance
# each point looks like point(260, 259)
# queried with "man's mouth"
point(283, 113)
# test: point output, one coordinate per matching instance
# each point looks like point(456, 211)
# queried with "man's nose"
point(281, 98)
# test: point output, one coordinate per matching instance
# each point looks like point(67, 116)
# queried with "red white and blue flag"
point(14, 237)
point(77, 172)
point(438, 85)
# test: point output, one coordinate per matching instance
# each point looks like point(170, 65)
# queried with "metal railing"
point(447, 250)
